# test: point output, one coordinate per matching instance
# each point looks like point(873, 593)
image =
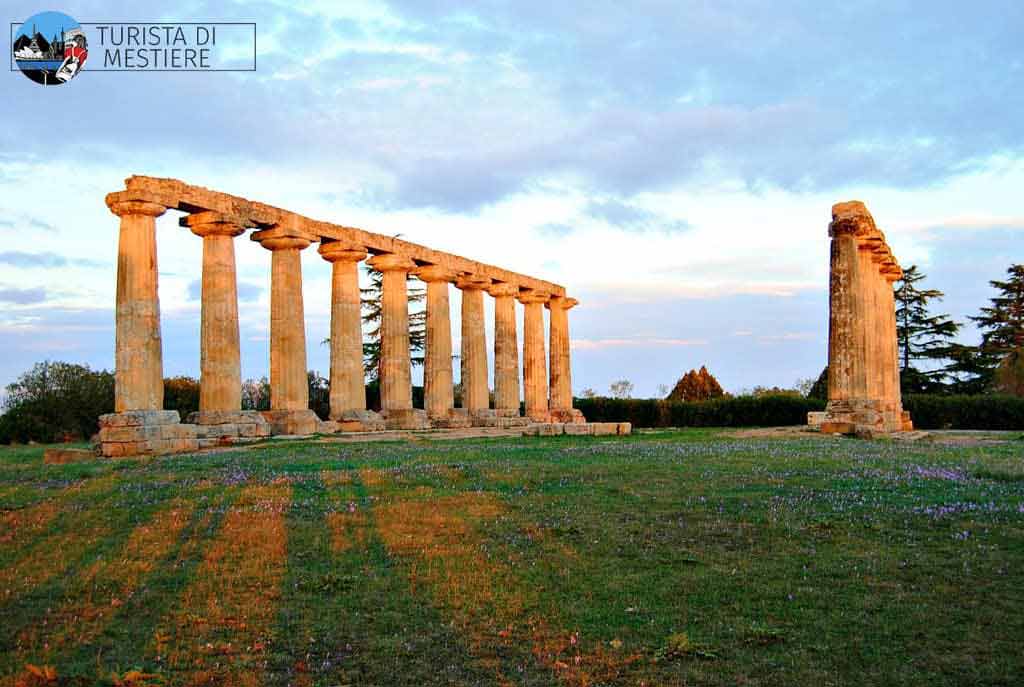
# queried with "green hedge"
point(927, 411)
point(739, 411)
point(965, 412)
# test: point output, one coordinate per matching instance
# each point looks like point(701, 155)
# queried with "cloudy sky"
point(672, 163)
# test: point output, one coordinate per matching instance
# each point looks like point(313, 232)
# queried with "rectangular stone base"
point(62, 456)
point(412, 418)
point(291, 422)
point(597, 429)
point(863, 417)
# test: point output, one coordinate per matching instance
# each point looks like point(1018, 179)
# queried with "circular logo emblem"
point(50, 48)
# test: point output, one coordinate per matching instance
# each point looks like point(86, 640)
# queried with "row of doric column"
point(139, 370)
point(864, 375)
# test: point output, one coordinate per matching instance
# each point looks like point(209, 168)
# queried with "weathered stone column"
point(475, 391)
point(535, 378)
point(872, 335)
point(506, 350)
point(395, 358)
point(220, 378)
point(561, 365)
point(139, 371)
point(846, 374)
point(289, 385)
point(438, 396)
point(347, 384)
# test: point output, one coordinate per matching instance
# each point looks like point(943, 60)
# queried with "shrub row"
point(737, 411)
point(929, 411)
point(965, 412)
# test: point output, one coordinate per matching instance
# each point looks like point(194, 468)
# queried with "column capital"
point(891, 271)
point(563, 302)
point(391, 262)
point(337, 251)
point(210, 223)
point(503, 289)
point(433, 273)
point(530, 296)
point(851, 218)
point(280, 238)
point(121, 205)
point(472, 282)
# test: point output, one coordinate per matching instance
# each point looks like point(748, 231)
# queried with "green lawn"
point(658, 559)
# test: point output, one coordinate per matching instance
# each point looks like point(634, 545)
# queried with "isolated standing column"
point(138, 375)
point(438, 395)
point(506, 350)
point(395, 358)
point(535, 378)
point(347, 384)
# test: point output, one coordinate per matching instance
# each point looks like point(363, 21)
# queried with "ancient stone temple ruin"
point(140, 425)
point(863, 359)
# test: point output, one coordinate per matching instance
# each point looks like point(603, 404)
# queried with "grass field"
point(659, 559)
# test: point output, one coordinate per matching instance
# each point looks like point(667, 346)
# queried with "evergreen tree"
point(1002, 326)
point(921, 335)
point(372, 306)
point(970, 370)
point(820, 388)
point(696, 385)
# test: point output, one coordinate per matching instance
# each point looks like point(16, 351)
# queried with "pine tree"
point(1002, 326)
point(921, 335)
point(696, 385)
point(372, 306)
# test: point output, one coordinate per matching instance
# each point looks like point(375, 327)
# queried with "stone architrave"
point(560, 367)
point(475, 391)
point(220, 379)
point(139, 372)
point(506, 350)
point(864, 394)
point(347, 383)
point(535, 378)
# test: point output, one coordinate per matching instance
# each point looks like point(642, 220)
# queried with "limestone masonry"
point(139, 424)
point(863, 360)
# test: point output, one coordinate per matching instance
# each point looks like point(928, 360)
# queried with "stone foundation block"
point(413, 418)
point(292, 421)
point(551, 429)
point(570, 416)
point(815, 418)
point(368, 420)
point(578, 429)
point(454, 420)
point(833, 427)
point(601, 429)
point(62, 456)
point(136, 418)
point(131, 433)
point(625, 428)
point(225, 417)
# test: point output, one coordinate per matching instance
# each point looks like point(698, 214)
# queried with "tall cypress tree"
point(372, 306)
point(1002, 326)
point(922, 336)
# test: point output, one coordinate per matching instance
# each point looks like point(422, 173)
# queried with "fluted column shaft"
point(289, 385)
point(892, 350)
point(870, 331)
point(475, 392)
point(138, 374)
point(561, 367)
point(846, 378)
point(535, 379)
point(506, 350)
point(220, 376)
point(395, 358)
point(347, 383)
point(438, 394)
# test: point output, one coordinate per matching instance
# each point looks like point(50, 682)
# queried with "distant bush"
point(929, 411)
point(56, 401)
point(738, 411)
point(181, 394)
point(933, 411)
